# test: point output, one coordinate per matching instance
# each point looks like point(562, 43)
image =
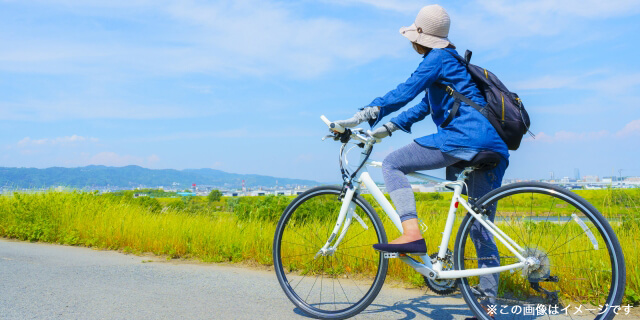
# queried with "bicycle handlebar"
point(332, 126)
point(344, 134)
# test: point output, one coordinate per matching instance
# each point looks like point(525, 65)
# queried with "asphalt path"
point(44, 281)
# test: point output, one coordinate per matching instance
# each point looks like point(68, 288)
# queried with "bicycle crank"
point(442, 287)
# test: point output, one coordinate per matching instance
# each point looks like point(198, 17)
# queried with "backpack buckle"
point(449, 90)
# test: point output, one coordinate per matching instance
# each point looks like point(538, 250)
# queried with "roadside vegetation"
point(240, 229)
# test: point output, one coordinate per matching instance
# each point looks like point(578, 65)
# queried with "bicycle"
point(557, 248)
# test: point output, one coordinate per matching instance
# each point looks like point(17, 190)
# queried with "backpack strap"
point(457, 96)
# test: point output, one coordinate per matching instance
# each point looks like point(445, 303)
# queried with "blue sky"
point(239, 85)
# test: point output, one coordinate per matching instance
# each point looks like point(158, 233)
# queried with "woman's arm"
point(427, 73)
point(410, 116)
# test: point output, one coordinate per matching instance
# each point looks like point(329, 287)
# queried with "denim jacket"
point(468, 133)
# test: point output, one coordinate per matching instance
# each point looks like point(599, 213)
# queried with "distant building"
point(590, 178)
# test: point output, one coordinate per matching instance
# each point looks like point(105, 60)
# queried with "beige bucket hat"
point(430, 29)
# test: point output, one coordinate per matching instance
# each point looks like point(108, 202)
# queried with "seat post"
point(462, 176)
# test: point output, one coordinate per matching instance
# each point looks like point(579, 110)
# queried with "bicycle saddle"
point(482, 160)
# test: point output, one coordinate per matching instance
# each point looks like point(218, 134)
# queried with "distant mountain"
point(133, 176)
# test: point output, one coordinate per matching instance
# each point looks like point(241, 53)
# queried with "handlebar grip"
point(333, 126)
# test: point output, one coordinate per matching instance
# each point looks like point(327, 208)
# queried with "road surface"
point(44, 281)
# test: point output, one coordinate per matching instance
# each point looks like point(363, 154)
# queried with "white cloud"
point(93, 108)
point(630, 129)
point(517, 10)
point(558, 81)
point(403, 6)
point(601, 81)
point(530, 11)
point(116, 160)
point(58, 141)
point(230, 37)
point(265, 37)
point(217, 164)
point(500, 25)
point(568, 136)
point(305, 158)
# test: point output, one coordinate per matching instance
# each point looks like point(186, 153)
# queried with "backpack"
point(504, 109)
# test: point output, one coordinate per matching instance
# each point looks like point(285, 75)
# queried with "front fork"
point(347, 214)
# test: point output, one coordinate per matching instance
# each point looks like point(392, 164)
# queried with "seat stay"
point(426, 267)
point(495, 231)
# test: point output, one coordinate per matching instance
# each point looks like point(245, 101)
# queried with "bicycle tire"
point(291, 226)
point(569, 230)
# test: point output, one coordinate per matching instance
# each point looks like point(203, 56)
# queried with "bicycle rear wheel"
point(331, 286)
point(579, 271)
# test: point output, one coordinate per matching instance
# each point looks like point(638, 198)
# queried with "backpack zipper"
point(501, 96)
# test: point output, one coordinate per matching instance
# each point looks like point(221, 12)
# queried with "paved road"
point(42, 281)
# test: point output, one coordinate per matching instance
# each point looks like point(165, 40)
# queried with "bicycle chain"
point(490, 258)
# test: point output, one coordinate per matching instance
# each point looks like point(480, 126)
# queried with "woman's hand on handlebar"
point(363, 115)
point(384, 131)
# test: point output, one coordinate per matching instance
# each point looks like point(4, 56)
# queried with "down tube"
point(382, 200)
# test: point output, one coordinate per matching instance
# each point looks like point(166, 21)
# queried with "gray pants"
point(414, 157)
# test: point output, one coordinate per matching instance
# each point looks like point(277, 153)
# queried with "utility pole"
point(620, 173)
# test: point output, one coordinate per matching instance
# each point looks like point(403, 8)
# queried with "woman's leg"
point(481, 182)
point(410, 158)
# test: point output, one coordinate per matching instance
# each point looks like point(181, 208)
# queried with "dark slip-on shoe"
point(414, 247)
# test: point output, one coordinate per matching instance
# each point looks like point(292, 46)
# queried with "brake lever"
point(328, 136)
point(370, 134)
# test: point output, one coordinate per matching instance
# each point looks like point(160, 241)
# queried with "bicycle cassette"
point(541, 269)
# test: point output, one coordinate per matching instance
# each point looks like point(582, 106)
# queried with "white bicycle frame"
point(426, 268)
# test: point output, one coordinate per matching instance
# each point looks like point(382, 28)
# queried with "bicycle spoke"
point(563, 227)
point(515, 215)
point(312, 265)
point(298, 244)
point(583, 232)
point(309, 225)
point(314, 284)
point(559, 254)
point(333, 285)
point(356, 257)
point(298, 255)
point(576, 268)
point(361, 232)
point(321, 279)
point(360, 246)
point(530, 214)
point(548, 214)
point(543, 217)
point(354, 282)
point(303, 237)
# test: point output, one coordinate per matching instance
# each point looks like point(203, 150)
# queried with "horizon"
point(176, 85)
point(412, 180)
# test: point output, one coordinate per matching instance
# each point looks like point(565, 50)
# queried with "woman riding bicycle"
point(468, 134)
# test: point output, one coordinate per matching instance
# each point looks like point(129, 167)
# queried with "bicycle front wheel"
point(578, 269)
point(333, 285)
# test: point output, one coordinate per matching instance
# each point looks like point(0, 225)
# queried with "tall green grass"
point(242, 229)
point(118, 223)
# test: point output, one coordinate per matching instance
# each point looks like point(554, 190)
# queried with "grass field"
point(242, 229)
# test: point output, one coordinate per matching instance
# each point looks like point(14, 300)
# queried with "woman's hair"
point(420, 48)
point(423, 50)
